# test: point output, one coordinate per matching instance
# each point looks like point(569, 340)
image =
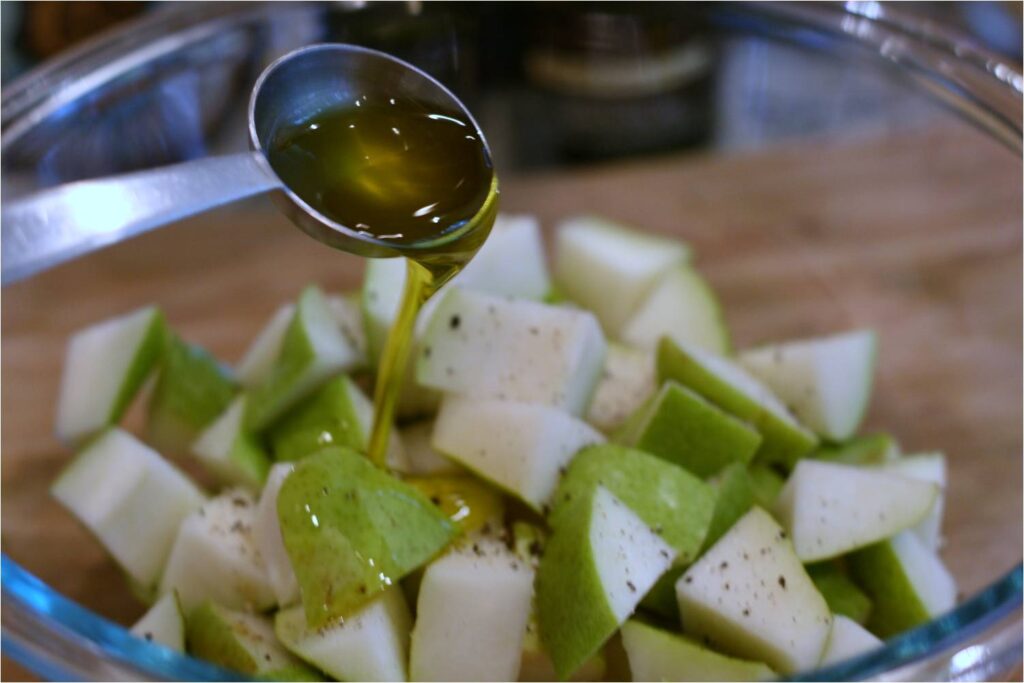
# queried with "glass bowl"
point(833, 166)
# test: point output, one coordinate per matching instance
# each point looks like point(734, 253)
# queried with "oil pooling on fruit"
point(404, 172)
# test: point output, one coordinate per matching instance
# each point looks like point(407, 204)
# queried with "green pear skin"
point(352, 530)
point(327, 418)
point(231, 453)
point(868, 449)
point(842, 595)
point(658, 655)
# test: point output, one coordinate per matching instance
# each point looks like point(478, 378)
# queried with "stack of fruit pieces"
point(577, 465)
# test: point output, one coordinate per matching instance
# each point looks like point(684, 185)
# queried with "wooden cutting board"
point(918, 236)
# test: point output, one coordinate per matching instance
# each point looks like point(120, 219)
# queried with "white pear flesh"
point(681, 306)
point(229, 453)
point(490, 347)
point(471, 615)
point(163, 623)
point(348, 314)
point(131, 499)
point(520, 447)
point(215, 557)
point(266, 532)
point(750, 596)
point(929, 467)
point(370, 645)
point(657, 655)
point(826, 382)
point(627, 381)
point(259, 358)
point(608, 268)
point(421, 457)
point(104, 366)
point(848, 639)
point(831, 509)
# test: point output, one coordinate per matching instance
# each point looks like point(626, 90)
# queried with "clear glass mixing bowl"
point(553, 86)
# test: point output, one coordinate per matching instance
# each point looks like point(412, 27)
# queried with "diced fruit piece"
point(471, 504)
point(521, 447)
point(609, 269)
point(733, 390)
point(105, 365)
point(192, 389)
point(215, 557)
point(832, 509)
point(667, 498)
point(656, 655)
point(929, 467)
point(735, 498)
point(627, 381)
point(422, 458)
point(372, 644)
point(266, 532)
point(870, 449)
point(750, 596)
point(352, 530)
point(907, 582)
point(337, 414)
point(130, 498)
point(163, 623)
point(471, 615)
point(535, 663)
point(258, 361)
point(826, 382)
point(841, 594)
point(598, 563)
point(679, 426)
point(243, 642)
point(661, 599)
point(349, 316)
point(682, 307)
point(312, 350)
point(490, 347)
point(767, 484)
point(231, 453)
point(848, 639)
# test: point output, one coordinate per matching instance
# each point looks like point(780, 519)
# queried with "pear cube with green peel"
point(351, 531)
point(371, 644)
point(661, 599)
point(520, 447)
point(657, 655)
point(471, 615)
point(848, 639)
point(766, 484)
point(929, 467)
point(490, 347)
point(842, 595)
point(192, 389)
point(610, 269)
point(750, 596)
point(599, 562)
point(258, 361)
point(869, 449)
point(826, 382)
point(104, 367)
point(421, 456)
point(626, 383)
point(830, 510)
point(735, 498)
point(312, 351)
point(215, 557)
point(131, 499)
point(266, 530)
point(163, 623)
point(681, 306)
point(725, 384)
point(668, 498)
point(336, 414)
point(348, 313)
point(681, 427)
point(907, 582)
point(535, 663)
point(243, 642)
point(230, 452)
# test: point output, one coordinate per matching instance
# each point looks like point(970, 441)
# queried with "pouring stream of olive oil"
point(404, 173)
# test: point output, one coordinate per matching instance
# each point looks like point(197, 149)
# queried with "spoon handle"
point(55, 225)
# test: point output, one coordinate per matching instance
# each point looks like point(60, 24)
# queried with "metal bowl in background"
point(550, 84)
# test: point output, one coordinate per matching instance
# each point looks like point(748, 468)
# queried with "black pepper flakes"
point(631, 586)
point(782, 581)
point(454, 322)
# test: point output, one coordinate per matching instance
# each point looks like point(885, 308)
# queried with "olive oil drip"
point(402, 172)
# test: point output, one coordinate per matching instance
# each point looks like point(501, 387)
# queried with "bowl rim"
point(981, 87)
